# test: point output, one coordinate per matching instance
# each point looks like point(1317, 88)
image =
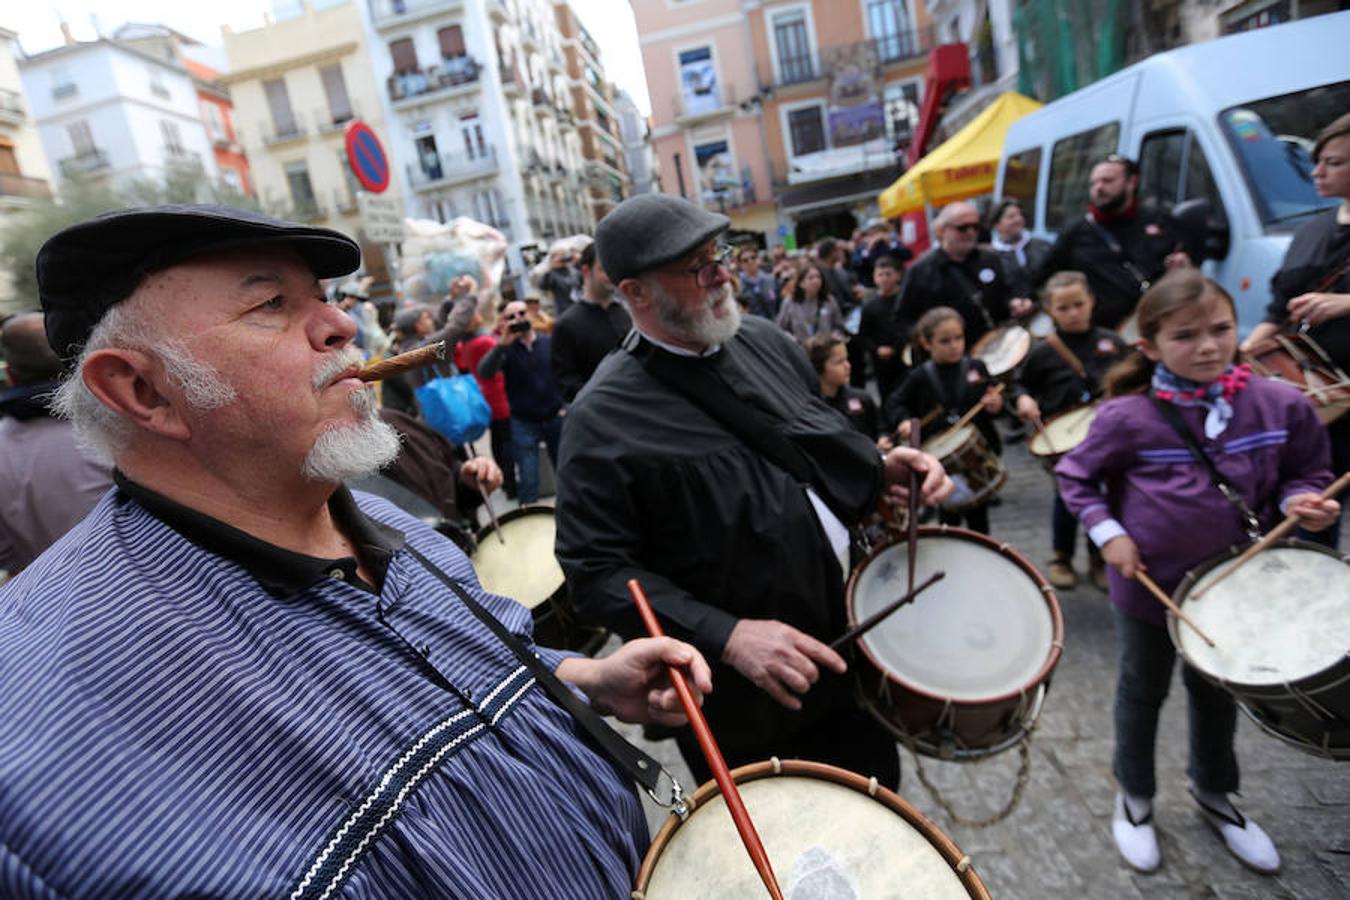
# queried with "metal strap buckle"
point(676, 802)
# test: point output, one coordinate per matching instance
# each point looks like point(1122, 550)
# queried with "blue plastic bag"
point(454, 405)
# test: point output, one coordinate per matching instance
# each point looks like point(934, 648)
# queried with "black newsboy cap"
point(650, 230)
point(88, 268)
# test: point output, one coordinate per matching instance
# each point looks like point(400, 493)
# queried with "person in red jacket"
point(468, 353)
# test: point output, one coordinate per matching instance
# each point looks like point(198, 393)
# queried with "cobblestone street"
point(1057, 843)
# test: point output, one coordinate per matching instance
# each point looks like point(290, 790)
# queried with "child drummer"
point(940, 391)
point(1063, 371)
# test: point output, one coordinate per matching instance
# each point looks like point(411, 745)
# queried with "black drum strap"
point(1250, 523)
point(641, 767)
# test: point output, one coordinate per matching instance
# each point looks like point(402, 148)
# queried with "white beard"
point(701, 326)
point(350, 451)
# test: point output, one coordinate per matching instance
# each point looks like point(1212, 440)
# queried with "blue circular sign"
point(366, 156)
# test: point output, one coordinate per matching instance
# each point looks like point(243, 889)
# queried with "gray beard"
point(353, 451)
point(698, 326)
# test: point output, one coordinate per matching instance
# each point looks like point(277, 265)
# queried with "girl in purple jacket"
point(1152, 506)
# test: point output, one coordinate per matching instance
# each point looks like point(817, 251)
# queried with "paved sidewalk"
point(1057, 843)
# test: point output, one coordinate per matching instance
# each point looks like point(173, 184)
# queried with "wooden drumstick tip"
point(1172, 607)
point(404, 362)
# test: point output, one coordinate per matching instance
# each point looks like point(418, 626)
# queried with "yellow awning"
point(964, 166)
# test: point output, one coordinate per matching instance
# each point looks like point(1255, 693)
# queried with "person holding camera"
point(524, 357)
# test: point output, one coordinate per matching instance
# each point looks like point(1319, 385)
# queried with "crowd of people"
point(209, 636)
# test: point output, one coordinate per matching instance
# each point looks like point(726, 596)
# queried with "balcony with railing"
point(280, 133)
point(328, 120)
point(11, 107)
point(22, 187)
point(543, 101)
point(802, 68)
point(450, 168)
point(717, 101)
point(91, 162)
point(565, 117)
point(389, 13)
point(182, 158)
point(454, 75)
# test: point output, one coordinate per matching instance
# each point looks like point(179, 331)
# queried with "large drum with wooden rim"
point(1281, 631)
point(1002, 350)
point(974, 467)
point(1062, 432)
point(828, 833)
point(519, 563)
point(961, 672)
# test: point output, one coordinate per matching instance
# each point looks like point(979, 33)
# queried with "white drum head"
point(948, 442)
point(823, 839)
point(1006, 347)
point(524, 568)
point(1283, 616)
point(1063, 432)
point(983, 631)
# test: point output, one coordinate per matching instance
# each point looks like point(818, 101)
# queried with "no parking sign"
point(367, 158)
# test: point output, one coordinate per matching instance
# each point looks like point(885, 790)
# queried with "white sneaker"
point(1244, 838)
point(1135, 838)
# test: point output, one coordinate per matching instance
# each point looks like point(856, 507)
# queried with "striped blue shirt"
point(169, 726)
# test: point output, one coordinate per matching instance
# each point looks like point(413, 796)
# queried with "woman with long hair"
point(810, 310)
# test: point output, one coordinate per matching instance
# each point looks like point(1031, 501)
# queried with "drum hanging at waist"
point(1281, 628)
point(521, 565)
point(1060, 434)
point(960, 673)
point(975, 468)
point(1299, 360)
point(828, 833)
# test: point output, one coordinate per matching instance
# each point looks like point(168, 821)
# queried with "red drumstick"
point(711, 753)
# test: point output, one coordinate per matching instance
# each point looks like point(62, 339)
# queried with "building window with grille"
point(81, 138)
point(888, 24)
point(806, 128)
point(335, 90)
point(302, 189)
point(792, 39)
point(173, 139)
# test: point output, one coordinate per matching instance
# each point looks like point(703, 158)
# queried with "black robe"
point(651, 487)
point(1319, 248)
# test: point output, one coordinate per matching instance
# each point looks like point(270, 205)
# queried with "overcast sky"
point(610, 22)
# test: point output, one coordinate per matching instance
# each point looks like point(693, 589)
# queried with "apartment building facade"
point(24, 177)
point(784, 114)
point(105, 110)
point(594, 104)
point(637, 146)
point(296, 83)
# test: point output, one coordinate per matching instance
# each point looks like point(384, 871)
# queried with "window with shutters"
point(302, 190)
point(807, 130)
point(279, 103)
point(792, 40)
point(81, 138)
point(335, 89)
point(404, 56)
point(452, 42)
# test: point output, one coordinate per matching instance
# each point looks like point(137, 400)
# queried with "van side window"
point(1172, 168)
point(1071, 162)
point(1020, 176)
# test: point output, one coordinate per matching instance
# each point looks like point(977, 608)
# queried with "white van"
point(1230, 120)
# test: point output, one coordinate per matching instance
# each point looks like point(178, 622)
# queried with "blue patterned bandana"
point(1216, 396)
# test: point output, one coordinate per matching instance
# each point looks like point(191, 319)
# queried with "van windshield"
point(1273, 140)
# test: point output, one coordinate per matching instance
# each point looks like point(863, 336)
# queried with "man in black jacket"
point(660, 480)
point(1121, 246)
point(591, 328)
point(959, 274)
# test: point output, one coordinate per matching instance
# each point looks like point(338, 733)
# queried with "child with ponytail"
point(1151, 505)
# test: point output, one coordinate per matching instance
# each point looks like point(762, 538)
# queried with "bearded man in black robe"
point(701, 461)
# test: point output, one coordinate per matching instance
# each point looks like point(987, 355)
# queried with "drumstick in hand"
point(730, 794)
point(1167, 602)
point(876, 618)
point(975, 410)
point(912, 535)
point(1279, 531)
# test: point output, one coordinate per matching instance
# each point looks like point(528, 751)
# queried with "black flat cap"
point(650, 230)
point(88, 268)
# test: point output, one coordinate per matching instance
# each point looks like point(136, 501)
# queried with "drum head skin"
point(1284, 616)
point(1063, 432)
point(983, 632)
point(524, 568)
point(949, 442)
point(1002, 349)
point(824, 838)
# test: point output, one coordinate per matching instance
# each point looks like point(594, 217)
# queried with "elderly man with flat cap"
point(701, 461)
point(235, 677)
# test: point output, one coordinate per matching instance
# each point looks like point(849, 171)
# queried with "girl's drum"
point(828, 833)
point(1061, 434)
point(1002, 350)
point(961, 672)
point(975, 469)
point(1281, 628)
point(521, 565)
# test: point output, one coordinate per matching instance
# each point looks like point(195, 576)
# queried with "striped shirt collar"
point(280, 571)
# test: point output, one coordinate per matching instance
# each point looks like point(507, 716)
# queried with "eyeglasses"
point(515, 315)
point(967, 228)
point(705, 274)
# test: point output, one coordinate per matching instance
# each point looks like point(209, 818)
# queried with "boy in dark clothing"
point(1063, 371)
point(881, 331)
